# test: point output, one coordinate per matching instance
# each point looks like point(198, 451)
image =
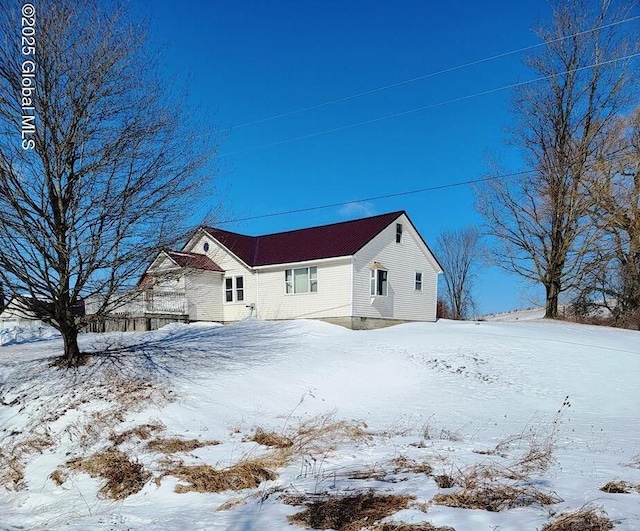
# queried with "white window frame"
point(378, 287)
point(290, 283)
point(231, 287)
point(418, 282)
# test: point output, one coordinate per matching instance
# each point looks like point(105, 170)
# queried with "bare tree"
point(615, 189)
point(459, 252)
point(97, 166)
point(541, 220)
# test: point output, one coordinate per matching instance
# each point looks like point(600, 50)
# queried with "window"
point(301, 280)
point(239, 289)
point(206, 247)
point(378, 282)
point(398, 232)
point(232, 284)
point(228, 290)
point(418, 283)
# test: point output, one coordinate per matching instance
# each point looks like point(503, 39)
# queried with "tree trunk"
point(72, 355)
point(553, 292)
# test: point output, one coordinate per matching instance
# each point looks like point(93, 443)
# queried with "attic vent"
point(398, 232)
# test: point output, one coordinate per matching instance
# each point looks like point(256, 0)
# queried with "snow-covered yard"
point(431, 413)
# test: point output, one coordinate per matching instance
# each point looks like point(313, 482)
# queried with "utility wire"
point(499, 177)
point(431, 74)
point(426, 107)
point(386, 196)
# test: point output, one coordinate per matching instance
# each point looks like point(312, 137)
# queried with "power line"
point(430, 74)
point(386, 196)
point(609, 156)
point(426, 107)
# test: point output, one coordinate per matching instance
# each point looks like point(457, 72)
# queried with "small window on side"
point(398, 232)
point(228, 289)
point(239, 289)
point(418, 281)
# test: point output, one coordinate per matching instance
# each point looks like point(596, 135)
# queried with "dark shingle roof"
point(326, 241)
point(194, 261)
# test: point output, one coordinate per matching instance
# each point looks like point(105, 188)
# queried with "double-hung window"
point(398, 232)
point(418, 281)
point(301, 280)
point(378, 282)
point(234, 289)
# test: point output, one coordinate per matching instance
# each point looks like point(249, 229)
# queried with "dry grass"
point(404, 464)
point(123, 476)
point(142, 432)
point(12, 463)
point(270, 439)
point(174, 445)
point(585, 519)
point(247, 474)
point(323, 433)
point(58, 477)
point(348, 513)
point(444, 481)
point(393, 526)
point(496, 498)
point(620, 487)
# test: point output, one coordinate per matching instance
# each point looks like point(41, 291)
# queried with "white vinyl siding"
point(232, 267)
point(402, 262)
point(328, 291)
point(203, 295)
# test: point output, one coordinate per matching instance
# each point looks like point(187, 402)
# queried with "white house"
point(362, 273)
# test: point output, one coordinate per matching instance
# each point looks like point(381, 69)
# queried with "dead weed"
point(142, 432)
point(620, 487)
point(174, 445)
point(394, 526)
point(123, 476)
point(496, 498)
point(270, 438)
point(403, 464)
point(348, 513)
point(585, 519)
point(246, 474)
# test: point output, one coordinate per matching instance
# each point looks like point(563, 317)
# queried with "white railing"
point(173, 302)
point(150, 301)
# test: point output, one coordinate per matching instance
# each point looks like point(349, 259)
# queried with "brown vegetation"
point(174, 445)
point(498, 497)
point(348, 513)
point(205, 478)
point(123, 476)
point(585, 519)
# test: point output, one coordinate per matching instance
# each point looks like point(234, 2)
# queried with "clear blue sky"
point(244, 61)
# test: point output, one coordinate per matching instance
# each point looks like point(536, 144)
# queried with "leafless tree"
point(97, 166)
point(614, 277)
point(459, 252)
point(541, 221)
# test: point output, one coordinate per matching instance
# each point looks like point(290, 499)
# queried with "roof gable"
point(194, 261)
point(314, 243)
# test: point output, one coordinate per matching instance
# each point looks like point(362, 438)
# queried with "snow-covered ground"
point(363, 408)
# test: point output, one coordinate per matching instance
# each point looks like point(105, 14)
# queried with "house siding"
point(333, 298)
point(231, 311)
point(203, 290)
point(402, 261)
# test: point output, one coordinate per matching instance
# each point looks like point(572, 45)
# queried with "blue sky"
point(247, 61)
